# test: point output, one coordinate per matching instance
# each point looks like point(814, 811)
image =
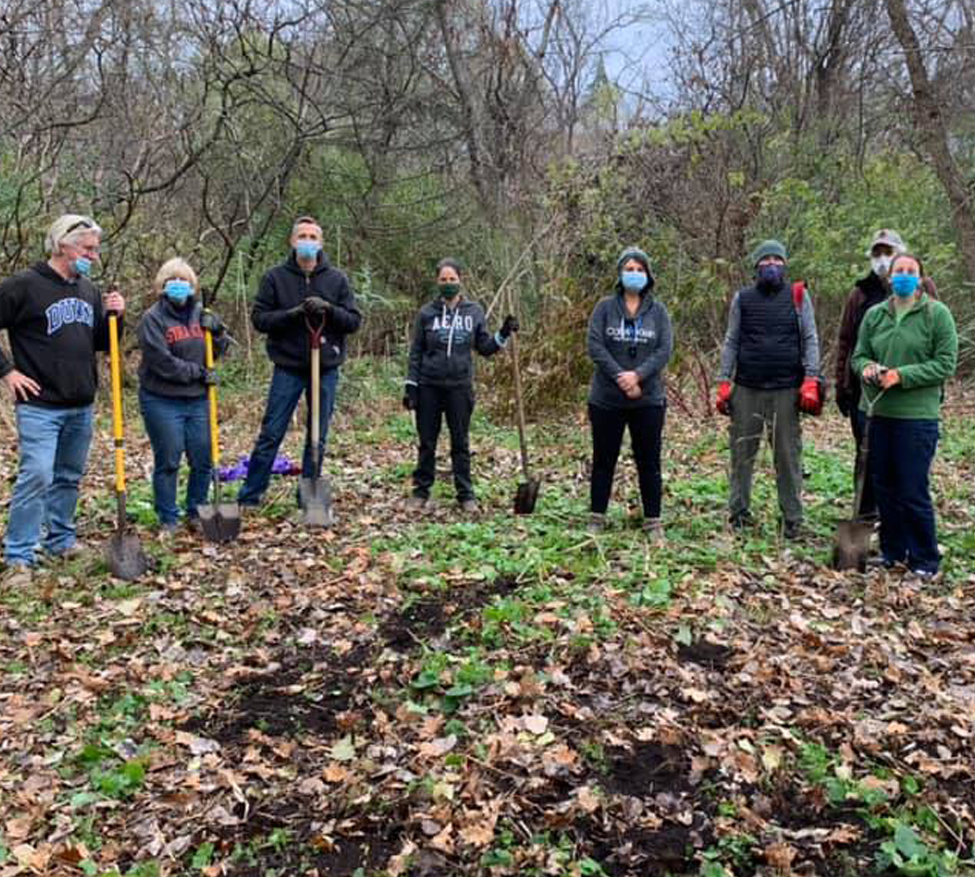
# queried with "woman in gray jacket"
point(630, 342)
point(173, 383)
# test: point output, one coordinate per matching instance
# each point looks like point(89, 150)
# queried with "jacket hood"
point(292, 264)
point(641, 257)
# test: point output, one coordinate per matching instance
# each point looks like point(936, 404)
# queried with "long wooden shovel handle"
point(315, 347)
point(519, 405)
point(118, 429)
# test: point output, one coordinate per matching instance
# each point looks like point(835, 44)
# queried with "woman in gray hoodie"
point(630, 343)
point(173, 381)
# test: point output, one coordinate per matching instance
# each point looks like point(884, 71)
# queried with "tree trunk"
point(934, 133)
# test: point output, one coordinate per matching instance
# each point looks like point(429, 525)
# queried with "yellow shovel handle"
point(117, 425)
point(212, 399)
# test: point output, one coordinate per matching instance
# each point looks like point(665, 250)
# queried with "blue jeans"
point(176, 426)
point(901, 452)
point(285, 392)
point(53, 454)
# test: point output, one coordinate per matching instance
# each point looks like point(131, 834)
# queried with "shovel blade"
point(315, 495)
point(125, 557)
point(851, 545)
point(220, 522)
point(526, 496)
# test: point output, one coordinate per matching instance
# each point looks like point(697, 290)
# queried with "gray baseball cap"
point(887, 237)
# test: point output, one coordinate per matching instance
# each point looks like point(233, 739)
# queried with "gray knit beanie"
point(770, 247)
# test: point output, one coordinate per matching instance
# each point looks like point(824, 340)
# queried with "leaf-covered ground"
point(433, 694)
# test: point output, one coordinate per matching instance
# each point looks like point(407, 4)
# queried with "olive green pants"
point(777, 413)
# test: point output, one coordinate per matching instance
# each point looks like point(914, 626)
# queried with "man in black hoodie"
point(301, 293)
point(56, 321)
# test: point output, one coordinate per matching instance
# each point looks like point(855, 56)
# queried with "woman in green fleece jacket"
point(906, 349)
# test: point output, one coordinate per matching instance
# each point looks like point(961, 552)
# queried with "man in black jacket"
point(301, 293)
point(56, 320)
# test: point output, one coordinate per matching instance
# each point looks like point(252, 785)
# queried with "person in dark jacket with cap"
point(630, 342)
point(769, 373)
point(869, 291)
point(57, 321)
point(173, 381)
point(294, 297)
point(440, 380)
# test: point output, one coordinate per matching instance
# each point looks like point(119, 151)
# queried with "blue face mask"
point(771, 275)
point(178, 291)
point(307, 250)
point(904, 285)
point(82, 266)
point(633, 281)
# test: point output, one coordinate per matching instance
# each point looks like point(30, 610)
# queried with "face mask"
point(82, 266)
point(880, 265)
point(633, 281)
point(449, 290)
point(307, 250)
point(771, 275)
point(178, 291)
point(904, 284)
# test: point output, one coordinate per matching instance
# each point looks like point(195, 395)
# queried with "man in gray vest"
point(769, 373)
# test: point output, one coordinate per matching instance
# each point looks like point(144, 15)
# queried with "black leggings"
point(646, 429)
point(455, 404)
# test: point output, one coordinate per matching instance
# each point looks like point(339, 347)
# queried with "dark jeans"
point(456, 404)
point(283, 396)
point(646, 430)
point(901, 452)
point(868, 502)
point(176, 426)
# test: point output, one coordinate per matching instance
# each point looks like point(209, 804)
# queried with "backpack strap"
point(798, 294)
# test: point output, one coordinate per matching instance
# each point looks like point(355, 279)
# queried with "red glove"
point(809, 400)
point(723, 405)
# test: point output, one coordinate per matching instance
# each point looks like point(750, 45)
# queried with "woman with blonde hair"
point(173, 383)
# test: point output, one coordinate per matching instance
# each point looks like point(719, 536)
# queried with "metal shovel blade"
point(125, 556)
point(220, 522)
point(851, 545)
point(526, 496)
point(315, 495)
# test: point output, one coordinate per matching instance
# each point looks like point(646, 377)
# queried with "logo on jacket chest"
point(175, 334)
point(461, 326)
point(631, 334)
point(68, 311)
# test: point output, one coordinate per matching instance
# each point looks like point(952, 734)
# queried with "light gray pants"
point(752, 413)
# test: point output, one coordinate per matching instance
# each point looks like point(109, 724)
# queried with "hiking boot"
point(17, 577)
point(597, 523)
point(415, 502)
point(792, 530)
point(193, 525)
point(654, 530)
point(925, 575)
point(741, 520)
point(72, 552)
point(468, 506)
